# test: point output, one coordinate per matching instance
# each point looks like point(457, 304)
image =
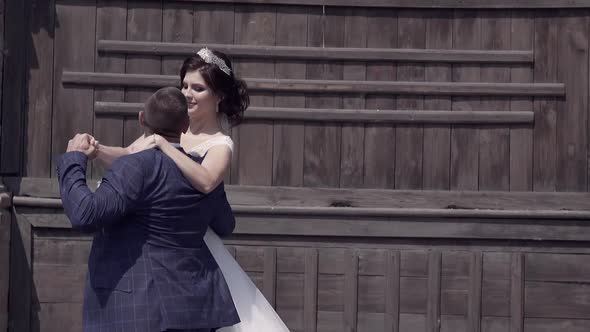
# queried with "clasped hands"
point(88, 145)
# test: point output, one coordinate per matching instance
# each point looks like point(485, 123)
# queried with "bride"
point(216, 101)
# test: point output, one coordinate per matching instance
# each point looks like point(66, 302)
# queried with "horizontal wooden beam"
point(346, 115)
point(319, 53)
point(358, 198)
point(376, 223)
point(459, 4)
point(361, 212)
point(332, 86)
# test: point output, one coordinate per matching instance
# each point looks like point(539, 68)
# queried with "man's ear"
point(141, 118)
point(185, 124)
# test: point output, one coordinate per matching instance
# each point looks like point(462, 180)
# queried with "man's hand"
point(84, 143)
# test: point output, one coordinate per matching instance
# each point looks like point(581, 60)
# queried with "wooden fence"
point(405, 165)
point(395, 261)
point(444, 96)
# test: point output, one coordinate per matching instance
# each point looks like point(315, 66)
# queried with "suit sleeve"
point(118, 194)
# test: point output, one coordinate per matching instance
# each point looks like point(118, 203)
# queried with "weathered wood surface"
point(348, 53)
point(491, 4)
point(330, 86)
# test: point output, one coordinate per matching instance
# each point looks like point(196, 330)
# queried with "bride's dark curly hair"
point(232, 90)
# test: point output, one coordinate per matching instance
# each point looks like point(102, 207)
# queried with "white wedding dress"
point(256, 314)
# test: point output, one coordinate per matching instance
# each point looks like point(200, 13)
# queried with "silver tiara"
point(209, 57)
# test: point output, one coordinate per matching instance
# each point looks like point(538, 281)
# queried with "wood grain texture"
point(545, 129)
point(521, 137)
point(465, 140)
point(14, 86)
point(333, 86)
point(437, 139)
point(144, 22)
point(322, 143)
point(20, 275)
point(517, 279)
point(5, 234)
point(40, 88)
point(295, 52)
point(572, 127)
point(310, 304)
point(111, 22)
point(288, 136)
point(379, 158)
point(256, 26)
point(74, 49)
point(409, 139)
point(475, 285)
point(434, 292)
point(118, 109)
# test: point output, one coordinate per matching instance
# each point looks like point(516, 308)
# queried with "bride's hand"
point(148, 142)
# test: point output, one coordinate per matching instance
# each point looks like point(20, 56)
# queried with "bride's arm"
point(205, 176)
point(108, 154)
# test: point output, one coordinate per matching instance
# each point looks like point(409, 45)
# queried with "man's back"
point(149, 265)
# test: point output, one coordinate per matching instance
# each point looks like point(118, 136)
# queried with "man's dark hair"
point(166, 111)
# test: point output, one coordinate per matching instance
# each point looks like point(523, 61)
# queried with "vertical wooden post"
point(310, 296)
point(475, 284)
point(392, 275)
point(19, 306)
point(351, 278)
point(517, 292)
point(5, 201)
point(270, 275)
point(434, 275)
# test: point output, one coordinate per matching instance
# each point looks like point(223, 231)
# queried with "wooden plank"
point(572, 126)
point(289, 304)
point(557, 268)
point(300, 52)
point(379, 158)
point(434, 291)
point(564, 204)
point(104, 109)
point(475, 287)
point(521, 137)
point(317, 86)
point(437, 139)
point(177, 27)
point(409, 139)
point(353, 134)
point(40, 89)
point(61, 252)
point(322, 143)
point(547, 325)
point(310, 297)
point(545, 129)
point(270, 275)
point(59, 283)
point(351, 292)
point(14, 87)
point(256, 26)
point(428, 3)
point(111, 22)
point(288, 136)
point(465, 140)
point(20, 275)
point(144, 22)
point(392, 291)
point(494, 143)
point(517, 278)
point(59, 317)
point(74, 49)
point(556, 300)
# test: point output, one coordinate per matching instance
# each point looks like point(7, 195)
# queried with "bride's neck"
point(210, 127)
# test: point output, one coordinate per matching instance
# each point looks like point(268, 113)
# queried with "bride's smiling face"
point(202, 102)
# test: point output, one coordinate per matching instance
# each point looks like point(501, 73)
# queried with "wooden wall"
point(374, 267)
point(346, 95)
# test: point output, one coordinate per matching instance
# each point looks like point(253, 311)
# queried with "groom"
point(149, 268)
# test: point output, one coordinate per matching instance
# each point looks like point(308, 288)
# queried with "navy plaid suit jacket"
point(149, 268)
